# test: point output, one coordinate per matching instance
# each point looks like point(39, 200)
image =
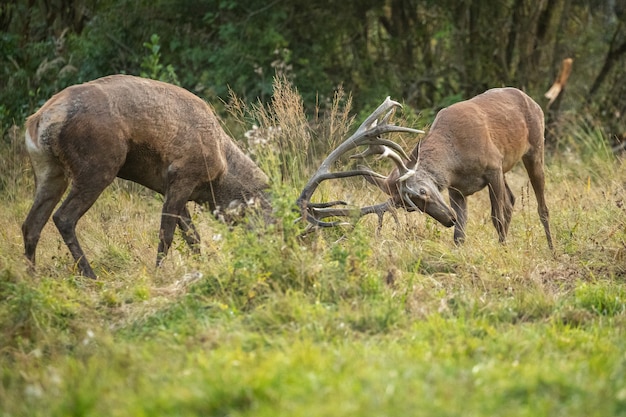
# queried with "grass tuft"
point(346, 321)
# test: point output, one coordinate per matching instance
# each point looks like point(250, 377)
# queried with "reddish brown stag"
point(146, 131)
point(470, 146)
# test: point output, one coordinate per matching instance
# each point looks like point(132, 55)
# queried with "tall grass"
point(349, 321)
point(12, 163)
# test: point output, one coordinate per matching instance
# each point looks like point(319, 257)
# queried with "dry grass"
point(267, 322)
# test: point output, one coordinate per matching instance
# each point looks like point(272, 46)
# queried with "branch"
point(561, 80)
point(611, 58)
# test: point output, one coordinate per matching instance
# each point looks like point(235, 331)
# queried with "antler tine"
point(368, 134)
point(374, 120)
point(384, 151)
point(375, 126)
point(322, 213)
point(378, 143)
point(385, 147)
point(378, 209)
point(385, 108)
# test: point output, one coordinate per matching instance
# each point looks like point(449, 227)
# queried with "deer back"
point(492, 130)
point(146, 129)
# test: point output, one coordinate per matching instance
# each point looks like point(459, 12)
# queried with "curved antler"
point(368, 134)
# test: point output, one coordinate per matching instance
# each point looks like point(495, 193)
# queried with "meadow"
point(349, 321)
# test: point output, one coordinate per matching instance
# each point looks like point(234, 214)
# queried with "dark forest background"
point(425, 53)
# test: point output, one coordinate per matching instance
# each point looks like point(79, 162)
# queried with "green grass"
point(343, 322)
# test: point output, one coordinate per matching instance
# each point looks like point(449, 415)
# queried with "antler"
point(368, 134)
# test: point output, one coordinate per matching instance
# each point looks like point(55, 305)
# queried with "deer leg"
point(190, 234)
point(50, 189)
point(534, 167)
point(174, 208)
point(459, 205)
point(501, 207)
point(508, 206)
point(81, 197)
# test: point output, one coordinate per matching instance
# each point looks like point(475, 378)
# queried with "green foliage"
point(32, 73)
point(151, 64)
point(349, 321)
point(601, 298)
point(427, 54)
point(587, 139)
point(34, 318)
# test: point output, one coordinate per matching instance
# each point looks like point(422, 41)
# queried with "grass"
point(344, 322)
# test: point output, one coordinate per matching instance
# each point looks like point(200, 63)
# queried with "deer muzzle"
point(434, 206)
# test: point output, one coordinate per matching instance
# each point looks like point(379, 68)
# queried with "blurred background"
point(425, 53)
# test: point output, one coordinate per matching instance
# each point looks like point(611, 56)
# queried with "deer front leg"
point(190, 234)
point(174, 209)
point(508, 206)
point(459, 205)
point(501, 206)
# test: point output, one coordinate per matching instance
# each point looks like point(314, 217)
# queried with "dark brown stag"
point(470, 146)
point(146, 131)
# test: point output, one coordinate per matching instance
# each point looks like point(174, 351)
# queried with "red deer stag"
point(146, 131)
point(470, 146)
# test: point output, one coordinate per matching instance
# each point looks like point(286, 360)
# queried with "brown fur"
point(146, 131)
point(470, 146)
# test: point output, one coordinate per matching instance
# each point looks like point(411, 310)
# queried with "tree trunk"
point(612, 56)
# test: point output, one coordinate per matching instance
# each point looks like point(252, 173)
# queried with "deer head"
point(146, 131)
point(470, 146)
point(401, 184)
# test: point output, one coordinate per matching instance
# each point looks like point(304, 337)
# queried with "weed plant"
point(343, 322)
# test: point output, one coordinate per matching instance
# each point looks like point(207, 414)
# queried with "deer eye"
point(423, 191)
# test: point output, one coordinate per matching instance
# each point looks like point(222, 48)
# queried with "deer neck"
point(432, 160)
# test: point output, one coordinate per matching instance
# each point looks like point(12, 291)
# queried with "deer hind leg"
point(84, 192)
point(459, 205)
point(51, 184)
point(501, 203)
point(534, 166)
point(190, 234)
